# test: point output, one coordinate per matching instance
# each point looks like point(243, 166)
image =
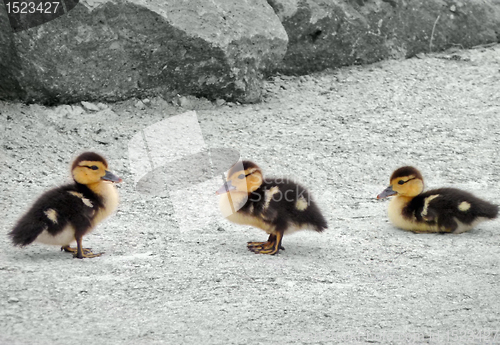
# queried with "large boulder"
point(111, 50)
point(333, 33)
point(10, 66)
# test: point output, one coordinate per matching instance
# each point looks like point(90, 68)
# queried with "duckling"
point(65, 214)
point(444, 210)
point(274, 205)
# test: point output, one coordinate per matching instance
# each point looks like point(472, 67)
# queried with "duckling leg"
point(80, 252)
point(271, 247)
point(75, 250)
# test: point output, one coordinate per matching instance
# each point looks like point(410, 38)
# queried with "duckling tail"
point(489, 211)
point(26, 231)
point(321, 228)
point(320, 224)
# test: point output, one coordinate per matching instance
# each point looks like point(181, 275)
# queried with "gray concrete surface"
point(341, 133)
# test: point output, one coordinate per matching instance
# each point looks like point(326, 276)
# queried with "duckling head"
point(243, 177)
point(89, 168)
point(406, 181)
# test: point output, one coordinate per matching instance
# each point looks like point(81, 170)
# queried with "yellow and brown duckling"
point(444, 210)
point(274, 205)
point(65, 214)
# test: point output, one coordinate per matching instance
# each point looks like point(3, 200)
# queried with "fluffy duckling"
point(67, 213)
point(274, 205)
point(444, 210)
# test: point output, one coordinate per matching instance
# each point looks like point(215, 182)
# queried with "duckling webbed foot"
point(261, 244)
point(86, 252)
point(271, 247)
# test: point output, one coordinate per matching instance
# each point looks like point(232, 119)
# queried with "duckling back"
point(287, 205)
point(449, 208)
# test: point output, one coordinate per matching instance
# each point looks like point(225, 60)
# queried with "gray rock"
point(184, 102)
point(108, 50)
point(324, 34)
point(10, 65)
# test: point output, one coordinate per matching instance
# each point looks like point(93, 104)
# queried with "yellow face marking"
point(426, 204)
point(88, 172)
point(246, 180)
point(301, 204)
point(464, 206)
point(410, 185)
point(52, 215)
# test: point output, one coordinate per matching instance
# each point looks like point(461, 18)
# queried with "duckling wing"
point(446, 206)
point(290, 205)
point(52, 212)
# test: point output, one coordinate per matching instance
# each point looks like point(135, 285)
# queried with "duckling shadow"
point(33, 257)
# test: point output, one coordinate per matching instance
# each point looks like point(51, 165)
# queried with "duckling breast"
point(399, 217)
point(110, 199)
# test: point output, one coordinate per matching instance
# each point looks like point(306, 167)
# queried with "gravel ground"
point(176, 272)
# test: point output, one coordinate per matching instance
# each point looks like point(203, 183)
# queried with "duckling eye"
point(94, 167)
point(401, 182)
point(241, 176)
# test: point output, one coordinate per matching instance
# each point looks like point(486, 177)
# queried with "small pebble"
point(220, 102)
point(140, 105)
point(102, 106)
point(89, 106)
point(184, 102)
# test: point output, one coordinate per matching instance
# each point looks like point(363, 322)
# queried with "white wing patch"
point(464, 206)
point(426, 204)
point(269, 195)
point(301, 203)
point(51, 214)
point(86, 201)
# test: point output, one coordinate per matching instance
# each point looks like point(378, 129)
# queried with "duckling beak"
point(387, 192)
point(226, 187)
point(111, 177)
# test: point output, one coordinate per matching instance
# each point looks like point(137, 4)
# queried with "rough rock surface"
point(107, 50)
point(9, 64)
point(110, 50)
point(333, 33)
